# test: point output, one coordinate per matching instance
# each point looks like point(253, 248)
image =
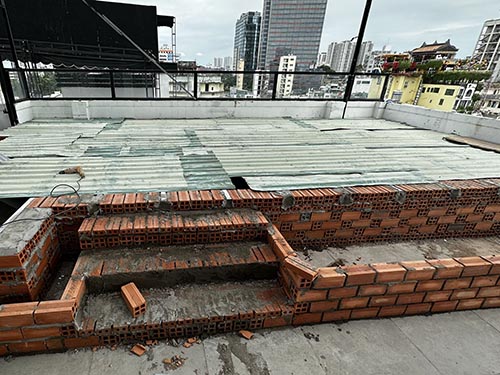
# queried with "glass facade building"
point(246, 40)
point(291, 27)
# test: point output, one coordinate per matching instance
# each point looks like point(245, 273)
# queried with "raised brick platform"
point(128, 237)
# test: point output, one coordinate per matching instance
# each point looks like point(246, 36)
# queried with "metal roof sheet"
point(271, 154)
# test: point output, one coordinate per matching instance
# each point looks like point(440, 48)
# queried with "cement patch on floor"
point(403, 251)
point(184, 302)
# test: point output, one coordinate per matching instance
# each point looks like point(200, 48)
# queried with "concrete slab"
point(457, 343)
point(184, 301)
point(404, 251)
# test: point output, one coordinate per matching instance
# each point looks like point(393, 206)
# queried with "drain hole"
point(239, 182)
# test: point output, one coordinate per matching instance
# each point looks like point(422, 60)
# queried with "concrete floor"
point(403, 251)
point(454, 343)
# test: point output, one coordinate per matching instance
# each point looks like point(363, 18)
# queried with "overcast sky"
point(205, 28)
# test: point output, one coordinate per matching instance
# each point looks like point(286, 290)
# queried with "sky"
point(205, 28)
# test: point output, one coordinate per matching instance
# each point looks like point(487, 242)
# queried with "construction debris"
point(174, 362)
point(74, 170)
point(134, 299)
point(246, 334)
point(138, 350)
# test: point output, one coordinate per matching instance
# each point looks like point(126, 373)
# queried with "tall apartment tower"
point(340, 54)
point(488, 45)
point(246, 40)
point(364, 53)
point(291, 25)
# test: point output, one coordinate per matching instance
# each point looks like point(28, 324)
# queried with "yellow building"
point(404, 88)
point(440, 97)
point(401, 88)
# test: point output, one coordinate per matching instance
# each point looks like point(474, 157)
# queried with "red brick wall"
point(317, 217)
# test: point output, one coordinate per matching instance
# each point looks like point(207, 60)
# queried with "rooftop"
point(462, 342)
point(199, 154)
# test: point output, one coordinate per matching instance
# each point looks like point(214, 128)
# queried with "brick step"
point(187, 310)
point(166, 266)
point(29, 252)
point(171, 228)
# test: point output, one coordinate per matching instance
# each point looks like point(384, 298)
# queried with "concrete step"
point(166, 266)
point(187, 310)
point(171, 228)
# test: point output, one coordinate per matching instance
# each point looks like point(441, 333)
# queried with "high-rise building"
point(340, 54)
point(364, 53)
point(228, 63)
point(218, 62)
point(293, 25)
point(284, 86)
point(246, 40)
point(488, 46)
point(166, 54)
point(321, 59)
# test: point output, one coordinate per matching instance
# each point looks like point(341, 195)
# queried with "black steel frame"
point(196, 73)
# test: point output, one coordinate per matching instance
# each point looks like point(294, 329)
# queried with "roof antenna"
point(121, 33)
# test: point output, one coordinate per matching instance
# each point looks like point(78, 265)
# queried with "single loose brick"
point(328, 277)
point(495, 261)
point(299, 267)
point(418, 270)
point(133, 299)
point(358, 275)
point(446, 268)
point(387, 272)
point(474, 266)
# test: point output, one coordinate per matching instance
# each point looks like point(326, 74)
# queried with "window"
point(449, 92)
point(441, 101)
point(435, 90)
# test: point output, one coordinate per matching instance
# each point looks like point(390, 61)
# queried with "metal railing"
point(106, 84)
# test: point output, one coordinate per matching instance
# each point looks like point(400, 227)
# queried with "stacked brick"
point(400, 212)
point(97, 267)
point(387, 289)
point(41, 326)
point(69, 213)
point(129, 203)
point(171, 229)
point(29, 252)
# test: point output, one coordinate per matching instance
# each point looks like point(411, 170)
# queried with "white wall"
point(146, 109)
point(481, 128)
point(24, 111)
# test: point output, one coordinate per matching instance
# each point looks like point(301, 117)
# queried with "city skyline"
point(206, 30)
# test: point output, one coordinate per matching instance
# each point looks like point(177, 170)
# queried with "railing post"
point(112, 83)
point(8, 94)
point(195, 84)
point(275, 85)
point(384, 88)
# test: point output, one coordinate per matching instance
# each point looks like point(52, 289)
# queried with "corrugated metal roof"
point(271, 154)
